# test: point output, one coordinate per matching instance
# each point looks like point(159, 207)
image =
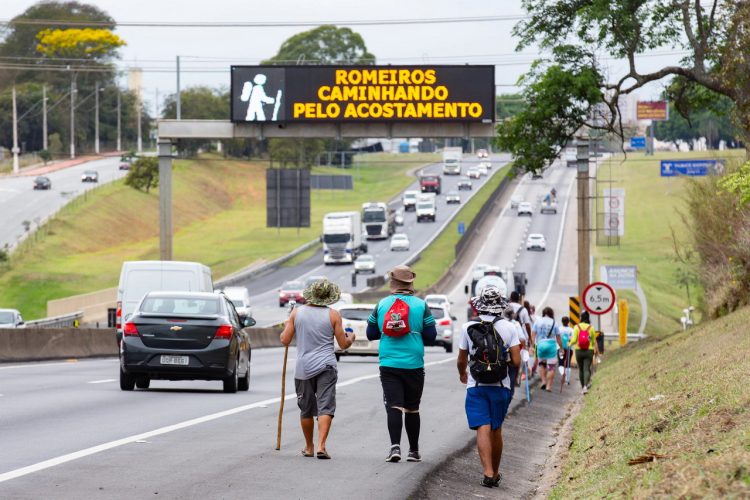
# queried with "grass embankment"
point(219, 219)
point(683, 397)
point(653, 205)
point(437, 258)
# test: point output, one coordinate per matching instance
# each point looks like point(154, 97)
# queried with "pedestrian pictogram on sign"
point(599, 298)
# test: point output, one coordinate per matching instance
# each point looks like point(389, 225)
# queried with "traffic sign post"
point(599, 298)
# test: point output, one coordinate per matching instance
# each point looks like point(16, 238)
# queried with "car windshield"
point(180, 305)
point(374, 215)
point(292, 285)
point(6, 317)
point(399, 237)
point(336, 238)
point(364, 258)
point(429, 179)
point(424, 205)
point(452, 193)
point(437, 312)
point(355, 314)
point(89, 172)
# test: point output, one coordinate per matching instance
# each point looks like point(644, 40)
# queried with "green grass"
point(683, 396)
point(652, 210)
point(219, 219)
point(303, 256)
point(437, 258)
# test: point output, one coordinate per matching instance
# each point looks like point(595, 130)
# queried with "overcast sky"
point(154, 49)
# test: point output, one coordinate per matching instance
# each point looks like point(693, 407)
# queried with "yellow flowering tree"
point(86, 43)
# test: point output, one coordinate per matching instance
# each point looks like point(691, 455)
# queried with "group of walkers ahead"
point(490, 361)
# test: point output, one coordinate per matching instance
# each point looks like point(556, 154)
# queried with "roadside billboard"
point(362, 94)
point(652, 110)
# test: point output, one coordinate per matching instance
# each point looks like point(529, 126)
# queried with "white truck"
point(379, 220)
point(342, 237)
point(452, 160)
point(426, 207)
point(409, 200)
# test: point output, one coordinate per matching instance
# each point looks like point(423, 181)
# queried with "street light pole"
point(96, 117)
point(138, 116)
point(119, 130)
point(15, 133)
point(178, 104)
point(44, 117)
point(72, 117)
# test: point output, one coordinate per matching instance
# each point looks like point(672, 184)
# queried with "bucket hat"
point(403, 274)
point(489, 301)
point(322, 293)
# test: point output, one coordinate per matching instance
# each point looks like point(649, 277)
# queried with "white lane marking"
point(52, 462)
point(553, 274)
point(38, 365)
point(103, 381)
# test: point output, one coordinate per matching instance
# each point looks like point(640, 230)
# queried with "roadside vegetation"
point(667, 417)
point(656, 209)
point(437, 258)
point(219, 219)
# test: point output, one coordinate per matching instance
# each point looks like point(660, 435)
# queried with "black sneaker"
point(414, 456)
point(488, 482)
point(395, 454)
point(496, 481)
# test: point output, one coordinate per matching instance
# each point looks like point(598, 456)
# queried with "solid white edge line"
point(103, 381)
point(553, 274)
point(52, 462)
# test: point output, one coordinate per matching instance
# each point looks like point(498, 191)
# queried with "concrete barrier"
point(40, 344)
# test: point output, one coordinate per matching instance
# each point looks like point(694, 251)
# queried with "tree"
point(84, 44)
point(143, 174)
point(717, 36)
point(197, 103)
point(508, 105)
point(323, 45)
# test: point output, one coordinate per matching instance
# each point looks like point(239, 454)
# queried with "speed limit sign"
point(599, 298)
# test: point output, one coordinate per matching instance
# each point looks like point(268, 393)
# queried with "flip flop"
point(323, 455)
point(306, 453)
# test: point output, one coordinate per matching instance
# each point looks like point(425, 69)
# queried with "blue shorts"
point(486, 405)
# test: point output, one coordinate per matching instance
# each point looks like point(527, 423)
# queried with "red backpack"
point(396, 321)
point(584, 338)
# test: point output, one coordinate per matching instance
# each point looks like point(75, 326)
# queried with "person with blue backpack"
point(486, 351)
point(404, 325)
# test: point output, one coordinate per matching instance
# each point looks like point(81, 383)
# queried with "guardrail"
point(66, 320)
point(632, 337)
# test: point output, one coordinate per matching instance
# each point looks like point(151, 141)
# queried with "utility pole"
point(15, 133)
point(96, 117)
point(44, 117)
point(156, 105)
point(584, 217)
point(119, 129)
point(138, 116)
point(177, 101)
point(72, 117)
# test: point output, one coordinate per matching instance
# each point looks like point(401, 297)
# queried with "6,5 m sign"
point(363, 94)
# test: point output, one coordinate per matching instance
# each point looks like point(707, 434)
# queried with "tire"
point(232, 381)
point(243, 384)
point(142, 382)
point(127, 381)
point(449, 347)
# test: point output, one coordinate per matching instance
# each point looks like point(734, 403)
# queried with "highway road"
point(19, 201)
point(264, 289)
point(67, 431)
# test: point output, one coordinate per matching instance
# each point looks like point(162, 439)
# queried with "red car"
point(430, 184)
point(291, 290)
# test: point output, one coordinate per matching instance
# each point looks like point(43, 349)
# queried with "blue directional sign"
point(461, 228)
point(693, 168)
point(638, 142)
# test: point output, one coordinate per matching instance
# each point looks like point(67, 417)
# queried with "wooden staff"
point(283, 395)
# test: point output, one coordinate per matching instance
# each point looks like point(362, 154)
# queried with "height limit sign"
point(599, 298)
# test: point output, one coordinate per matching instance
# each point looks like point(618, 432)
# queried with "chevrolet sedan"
point(185, 336)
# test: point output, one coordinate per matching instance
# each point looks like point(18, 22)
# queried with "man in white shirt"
point(487, 401)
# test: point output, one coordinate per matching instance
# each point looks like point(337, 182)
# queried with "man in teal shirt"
point(404, 325)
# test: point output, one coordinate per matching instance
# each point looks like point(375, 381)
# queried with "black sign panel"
point(363, 94)
point(288, 197)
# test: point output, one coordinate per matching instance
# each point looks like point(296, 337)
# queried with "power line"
point(262, 24)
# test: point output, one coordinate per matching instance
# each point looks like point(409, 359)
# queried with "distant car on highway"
point(124, 165)
point(487, 164)
point(464, 183)
point(482, 153)
point(42, 182)
point(409, 200)
point(452, 197)
point(90, 176)
point(548, 206)
point(515, 201)
point(444, 325)
point(524, 208)
point(537, 174)
point(536, 241)
point(437, 299)
point(240, 298)
point(399, 242)
point(291, 290)
point(185, 336)
point(354, 320)
point(398, 219)
point(11, 318)
point(482, 169)
point(473, 173)
point(364, 264)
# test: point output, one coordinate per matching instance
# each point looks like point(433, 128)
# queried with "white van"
point(139, 277)
point(240, 297)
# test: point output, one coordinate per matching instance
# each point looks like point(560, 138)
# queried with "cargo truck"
point(452, 160)
point(342, 237)
point(379, 220)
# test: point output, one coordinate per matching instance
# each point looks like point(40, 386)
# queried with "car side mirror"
point(249, 321)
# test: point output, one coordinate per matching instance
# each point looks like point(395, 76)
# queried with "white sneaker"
point(585, 390)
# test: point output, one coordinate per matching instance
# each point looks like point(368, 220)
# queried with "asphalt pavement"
point(67, 431)
point(20, 202)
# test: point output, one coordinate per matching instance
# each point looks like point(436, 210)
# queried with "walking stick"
point(283, 396)
point(525, 354)
point(566, 368)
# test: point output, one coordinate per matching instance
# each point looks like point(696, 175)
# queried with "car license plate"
point(174, 360)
